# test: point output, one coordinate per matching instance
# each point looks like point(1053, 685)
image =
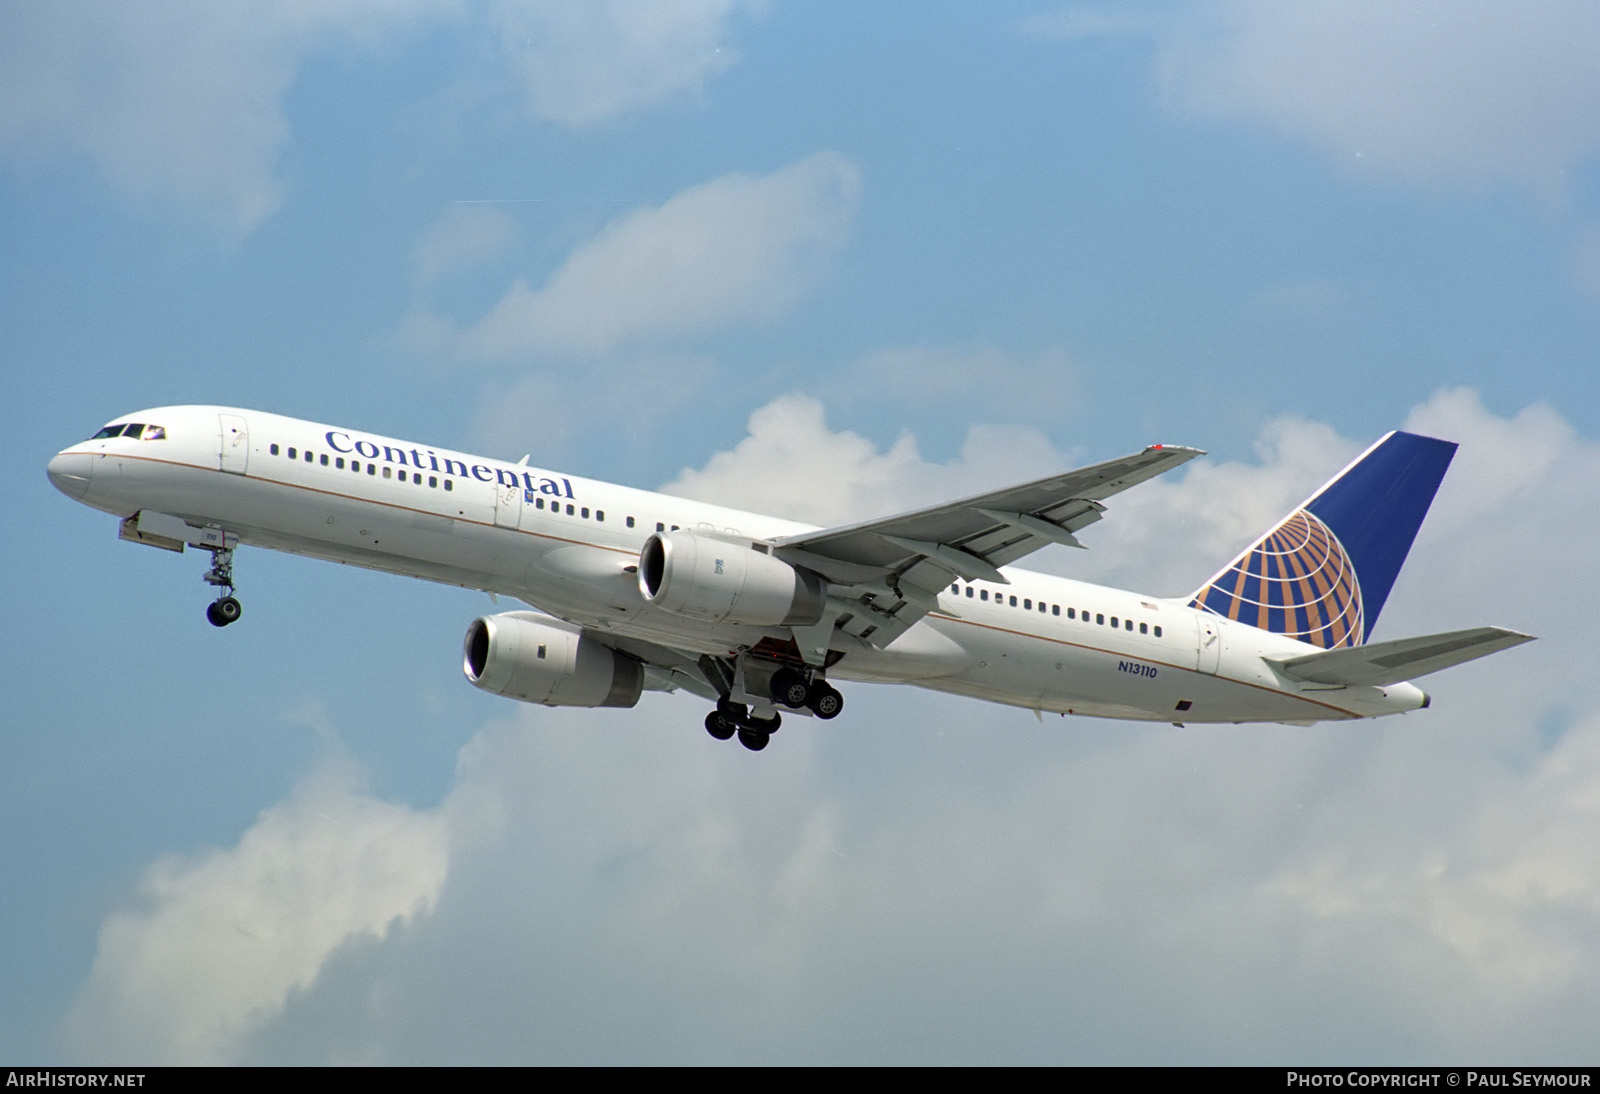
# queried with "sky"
point(828, 261)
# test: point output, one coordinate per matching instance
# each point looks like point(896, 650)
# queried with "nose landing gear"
point(226, 608)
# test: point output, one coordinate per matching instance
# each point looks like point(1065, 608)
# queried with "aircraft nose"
point(69, 473)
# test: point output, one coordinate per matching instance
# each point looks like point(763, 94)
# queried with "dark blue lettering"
point(331, 434)
point(362, 446)
point(488, 472)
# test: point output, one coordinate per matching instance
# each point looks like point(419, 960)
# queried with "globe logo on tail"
point(1297, 581)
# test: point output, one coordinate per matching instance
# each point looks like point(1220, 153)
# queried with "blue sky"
point(831, 261)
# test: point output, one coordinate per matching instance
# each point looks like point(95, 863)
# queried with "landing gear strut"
point(226, 608)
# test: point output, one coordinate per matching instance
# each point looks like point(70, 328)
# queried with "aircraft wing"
point(893, 568)
point(1377, 664)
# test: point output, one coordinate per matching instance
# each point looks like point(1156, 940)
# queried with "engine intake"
point(721, 580)
point(520, 656)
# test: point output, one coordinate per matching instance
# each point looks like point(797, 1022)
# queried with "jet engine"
point(721, 580)
point(522, 656)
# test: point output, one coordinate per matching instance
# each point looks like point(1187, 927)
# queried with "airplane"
point(632, 590)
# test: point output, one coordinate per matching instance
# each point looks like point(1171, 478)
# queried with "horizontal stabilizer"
point(1377, 664)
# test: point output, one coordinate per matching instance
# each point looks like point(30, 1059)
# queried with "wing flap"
point(1378, 664)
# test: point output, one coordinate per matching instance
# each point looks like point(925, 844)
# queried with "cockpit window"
point(133, 431)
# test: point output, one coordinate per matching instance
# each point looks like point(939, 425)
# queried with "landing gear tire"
point(221, 612)
point(825, 702)
point(790, 688)
point(718, 726)
point(753, 740)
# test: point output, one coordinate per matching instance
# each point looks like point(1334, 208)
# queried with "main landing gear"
point(790, 688)
point(732, 718)
point(226, 608)
point(793, 690)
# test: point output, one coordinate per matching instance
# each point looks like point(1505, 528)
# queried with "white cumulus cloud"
point(582, 63)
point(181, 105)
point(217, 942)
point(737, 249)
point(1426, 92)
point(792, 465)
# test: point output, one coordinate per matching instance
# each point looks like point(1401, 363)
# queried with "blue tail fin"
point(1322, 575)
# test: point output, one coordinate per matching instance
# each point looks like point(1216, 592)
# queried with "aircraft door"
point(1209, 655)
point(233, 452)
point(507, 505)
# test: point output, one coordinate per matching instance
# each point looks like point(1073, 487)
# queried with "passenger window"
point(630, 522)
point(433, 482)
point(1028, 605)
point(569, 510)
point(1113, 622)
point(294, 454)
point(1158, 630)
point(308, 455)
point(372, 469)
point(388, 472)
point(969, 592)
point(1127, 624)
point(1144, 628)
point(585, 512)
point(1013, 602)
point(273, 448)
point(339, 462)
point(449, 484)
point(1055, 609)
point(660, 527)
point(983, 594)
point(324, 460)
point(600, 515)
point(1100, 620)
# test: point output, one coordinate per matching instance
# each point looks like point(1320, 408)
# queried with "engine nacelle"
point(518, 655)
point(725, 580)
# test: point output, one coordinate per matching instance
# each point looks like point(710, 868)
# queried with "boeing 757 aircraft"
point(634, 590)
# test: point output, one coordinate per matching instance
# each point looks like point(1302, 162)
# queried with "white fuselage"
point(570, 547)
